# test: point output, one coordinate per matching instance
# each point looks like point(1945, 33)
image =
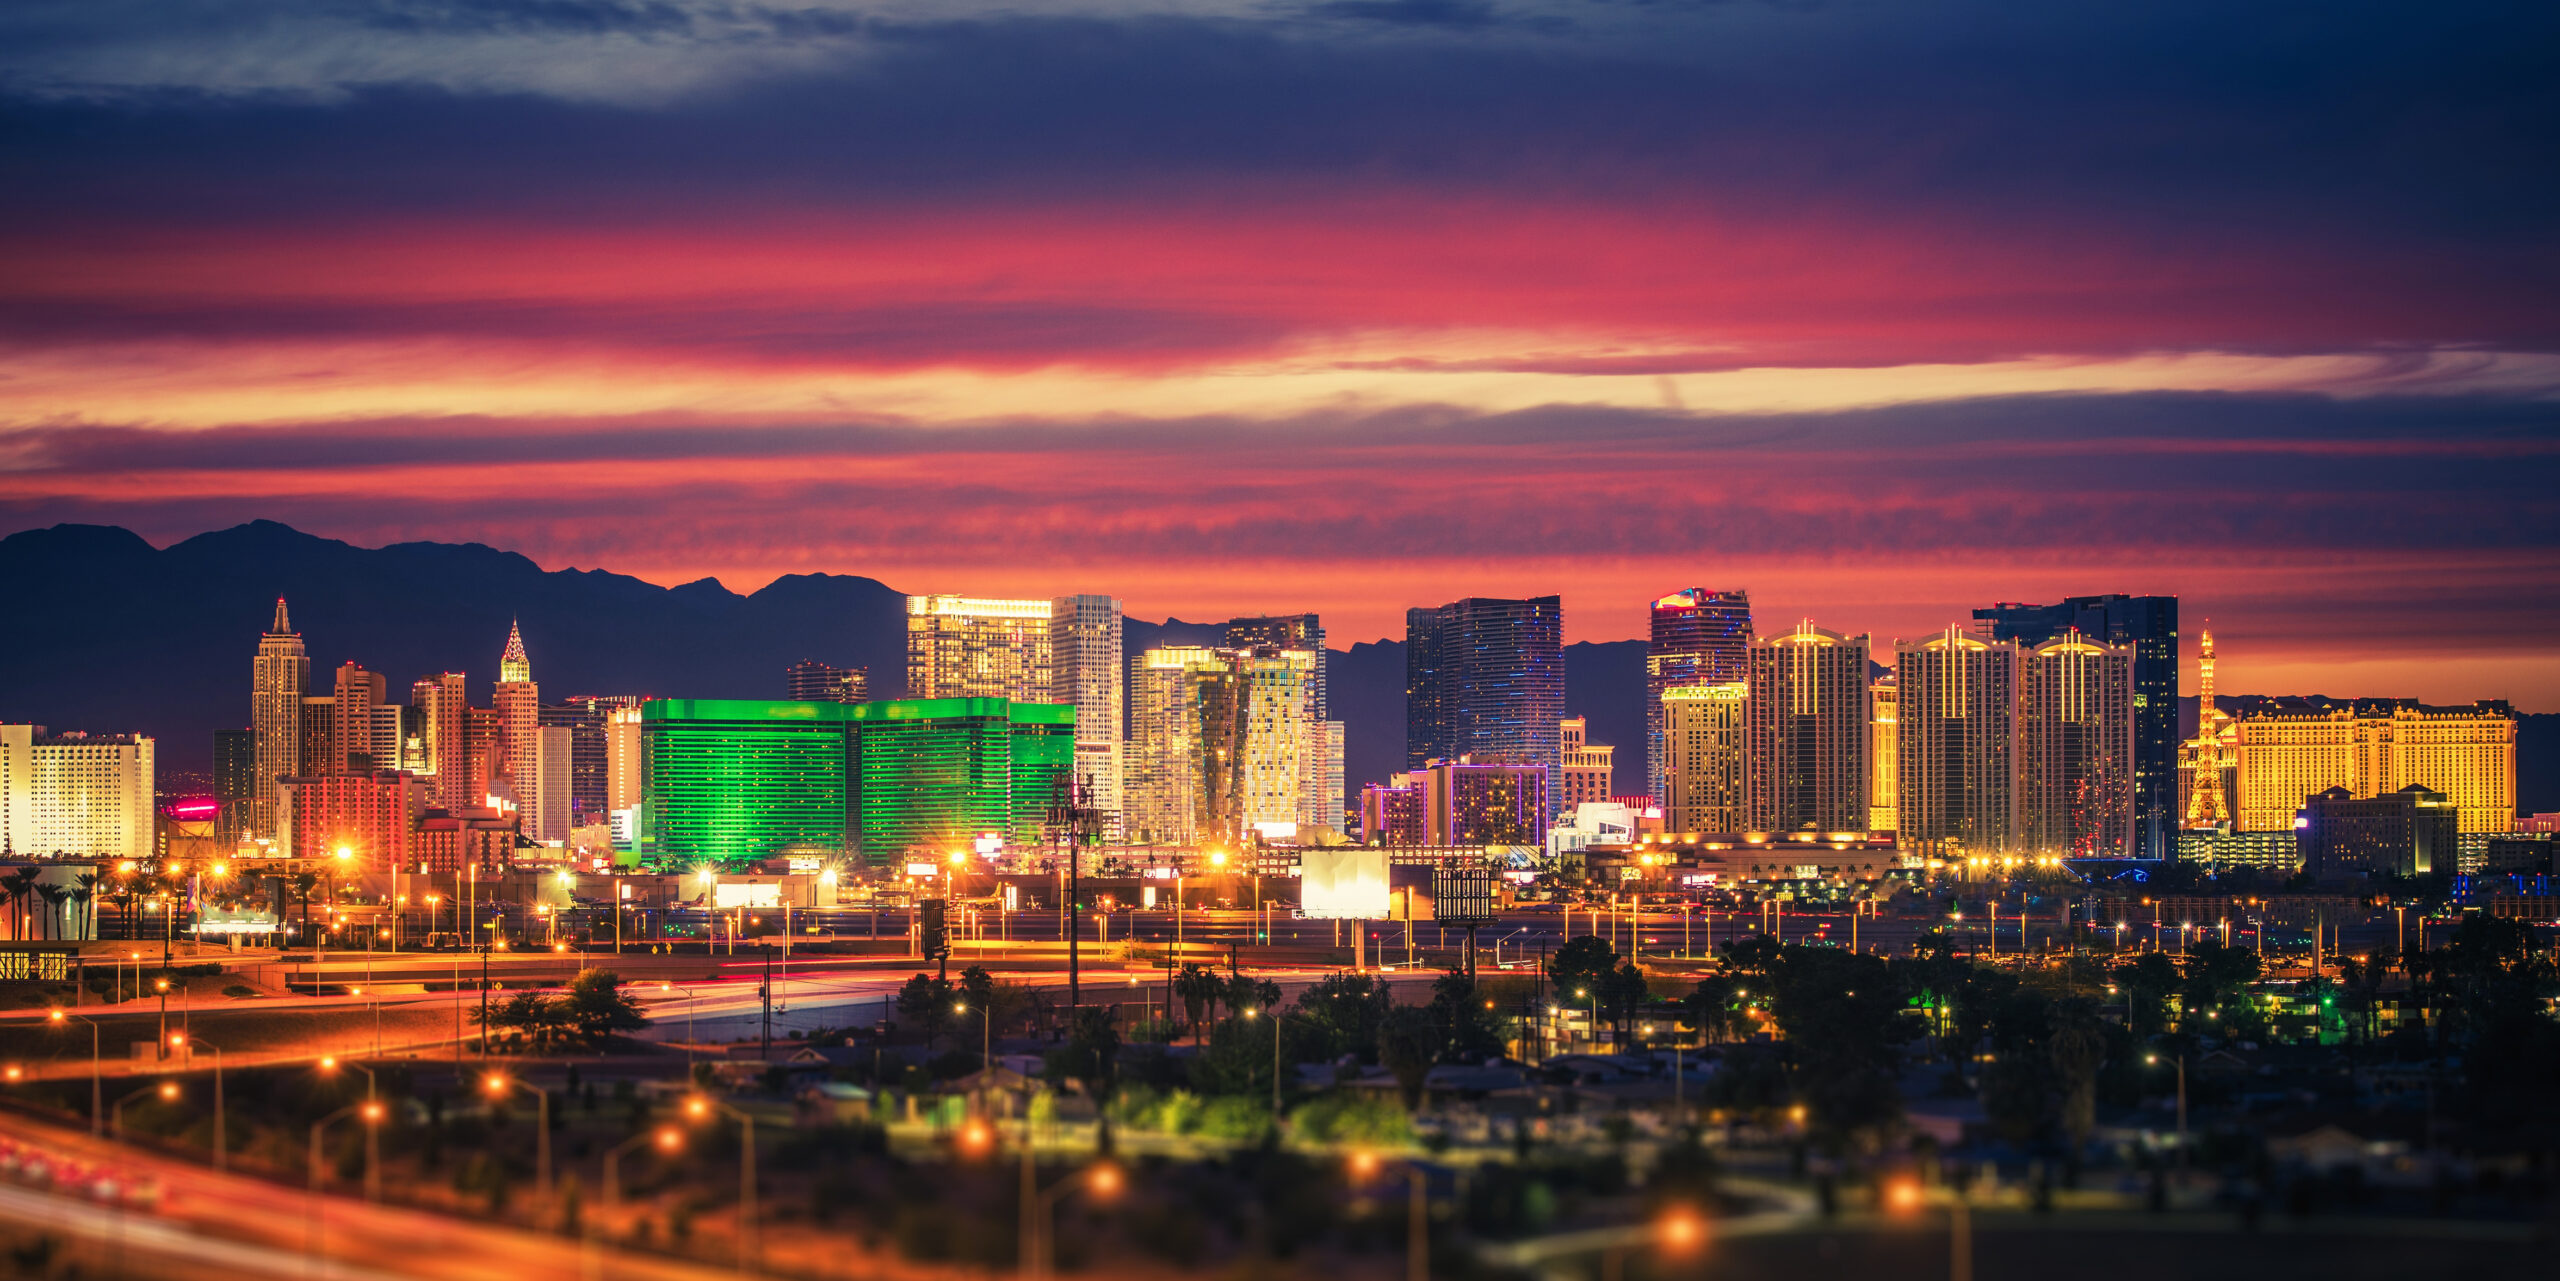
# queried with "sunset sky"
point(1881, 309)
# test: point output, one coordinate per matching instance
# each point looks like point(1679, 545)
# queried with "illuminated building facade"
point(373, 815)
point(816, 682)
point(1706, 733)
point(1393, 814)
point(277, 676)
point(975, 647)
point(1697, 637)
point(728, 783)
point(1805, 744)
point(1460, 803)
point(355, 696)
point(235, 779)
point(1484, 680)
point(622, 763)
point(319, 734)
point(518, 703)
point(78, 795)
point(1589, 769)
point(2209, 763)
point(2150, 625)
point(2298, 748)
point(2410, 831)
point(931, 775)
point(1881, 743)
point(547, 787)
point(1224, 739)
point(1956, 733)
point(440, 713)
point(583, 719)
point(2075, 748)
point(1085, 661)
point(1324, 799)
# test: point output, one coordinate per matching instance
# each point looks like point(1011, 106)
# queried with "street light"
point(97, 1114)
point(372, 1114)
point(167, 1090)
point(702, 1108)
point(690, 1000)
point(221, 1153)
point(2154, 1059)
point(667, 1138)
point(1040, 1218)
point(1417, 1241)
point(498, 1084)
point(372, 1143)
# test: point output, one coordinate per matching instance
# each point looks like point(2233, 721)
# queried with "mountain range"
point(111, 634)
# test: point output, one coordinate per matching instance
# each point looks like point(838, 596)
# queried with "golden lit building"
point(1956, 734)
point(1807, 741)
point(1705, 771)
point(971, 647)
point(1222, 740)
point(2300, 748)
point(1881, 704)
point(2075, 748)
point(1589, 769)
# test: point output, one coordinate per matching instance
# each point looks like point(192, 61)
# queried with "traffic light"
point(936, 935)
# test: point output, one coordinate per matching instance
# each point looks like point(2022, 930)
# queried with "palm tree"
point(16, 885)
point(79, 896)
point(53, 896)
point(84, 892)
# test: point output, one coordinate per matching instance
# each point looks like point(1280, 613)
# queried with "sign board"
point(1343, 883)
point(746, 894)
point(1462, 895)
point(38, 963)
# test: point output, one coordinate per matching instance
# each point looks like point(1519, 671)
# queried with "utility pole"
point(768, 1002)
point(1080, 823)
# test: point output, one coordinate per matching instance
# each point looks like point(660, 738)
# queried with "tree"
point(1581, 967)
point(925, 1002)
point(1252, 994)
point(53, 896)
point(1464, 1020)
point(596, 1007)
point(1408, 1044)
point(1092, 1052)
point(1199, 989)
point(2078, 1048)
point(17, 885)
point(2147, 981)
point(1346, 1012)
point(1715, 1006)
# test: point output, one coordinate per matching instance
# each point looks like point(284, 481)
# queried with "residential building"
point(2296, 748)
point(2407, 832)
point(1882, 693)
point(1805, 744)
point(277, 677)
point(1085, 673)
point(1324, 790)
point(1393, 814)
point(1484, 680)
point(2076, 786)
point(355, 695)
point(622, 758)
point(1698, 637)
point(77, 795)
point(2150, 625)
point(978, 648)
point(815, 682)
point(1706, 776)
point(1589, 771)
point(1287, 631)
point(1956, 734)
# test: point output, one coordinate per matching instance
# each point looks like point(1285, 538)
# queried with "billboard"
point(1343, 883)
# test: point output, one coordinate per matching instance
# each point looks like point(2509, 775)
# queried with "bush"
point(1345, 1117)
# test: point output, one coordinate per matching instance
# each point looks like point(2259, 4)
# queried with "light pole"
point(690, 1000)
point(167, 1090)
point(371, 1112)
point(221, 1150)
point(1276, 1017)
point(372, 1143)
point(1417, 1241)
point(97, 1114)
point(498, 1084)
point(2182, 1103)
point(1037, 1254)
point(668, 1139)
point(700, 1107)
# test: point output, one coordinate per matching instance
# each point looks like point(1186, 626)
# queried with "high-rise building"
point(1706, 731)
point(1459, 803)
point(972, 647)
point(2208, 763)
point(583, 718)
point(2075, 748)
point(2296, 748)
point(1807, 739)
point(1220, 741)
point(622, 757)
point(235, 779)
point(547, 782)
point(729, 783)
point(386, 748)
point(372, 815)
point(1324, 792)
point(1484, 680)
point(1085, 666)
point(484, 736)
point(1956, 738)
point(1882, 696)
point(277, 676)
point(2408, 831)
point(356, 694)
point(936, 775)
point(1393, 814)
point(2150, 625)
point(77, 795)
point(1699, 637)
point(320, 735)
point(518, 703)
point(815, 682)
point(1286, 631)
point(441, 715)
point(1589, 772)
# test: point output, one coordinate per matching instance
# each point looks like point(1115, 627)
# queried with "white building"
point(80, 795)
point(1085, 673)
point(1591, 823)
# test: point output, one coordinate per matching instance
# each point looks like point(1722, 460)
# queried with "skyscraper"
point(1085, 673)
point(519, 706)
point(1956, 751)
point(320, 754)
point(2150, 625)
point(2075, 748)
point(1484, 679)
point(973, 647)
point(934, 775)
point(277, 676)
point(1699, 637)
point(235, 777)
point(1324, 751)
point(1882, 704)
point(549, 784)
point(1807, 741)
point(2374, 746)
point(727, 783)
point(1286, 631)
point(357, 693)
point(1588, 766)
point(815, 682)
point(78, 795)
point(1219, 740)
point(1706, 771)
point(441, 714)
